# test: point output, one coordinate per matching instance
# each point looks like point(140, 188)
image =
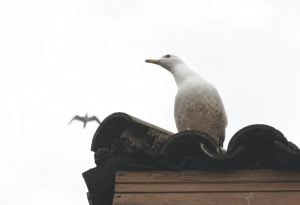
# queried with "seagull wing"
point(94, 118)
point(77, 117)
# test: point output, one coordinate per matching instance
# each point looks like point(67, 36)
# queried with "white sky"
point(65, 57)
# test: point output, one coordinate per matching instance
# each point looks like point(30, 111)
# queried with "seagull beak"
point(152, 61)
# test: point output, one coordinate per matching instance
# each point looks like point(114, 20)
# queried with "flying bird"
point(85, 119)
point(198, 105)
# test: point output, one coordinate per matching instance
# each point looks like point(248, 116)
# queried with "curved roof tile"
point(140, 145)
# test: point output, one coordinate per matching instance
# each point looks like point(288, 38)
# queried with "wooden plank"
point(247, 198)
point(205, 187)
point(208, 176)
point(240, 187)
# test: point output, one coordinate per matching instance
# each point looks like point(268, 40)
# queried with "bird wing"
point(77, 117)
point(94, 118)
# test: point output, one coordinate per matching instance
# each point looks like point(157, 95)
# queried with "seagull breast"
point(198, 106)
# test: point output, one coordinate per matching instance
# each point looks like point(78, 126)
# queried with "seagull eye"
point(167, 56)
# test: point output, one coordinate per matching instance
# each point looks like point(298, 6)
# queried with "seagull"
point(198, 105)
point(85, 119)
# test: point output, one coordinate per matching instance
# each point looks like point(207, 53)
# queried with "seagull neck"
point(181, 72)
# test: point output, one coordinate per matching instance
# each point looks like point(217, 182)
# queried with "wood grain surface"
point(208, 187)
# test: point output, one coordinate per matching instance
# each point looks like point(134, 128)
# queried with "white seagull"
point(198, 105)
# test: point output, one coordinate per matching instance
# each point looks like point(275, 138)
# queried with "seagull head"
point(167, 61)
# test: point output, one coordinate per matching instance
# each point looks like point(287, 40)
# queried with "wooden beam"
point(258, 198)
point(238, 187)
point(208, 176)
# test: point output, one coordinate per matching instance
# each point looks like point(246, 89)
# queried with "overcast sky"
point(65, 57)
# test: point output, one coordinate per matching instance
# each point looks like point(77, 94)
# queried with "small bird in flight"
point(85, 119)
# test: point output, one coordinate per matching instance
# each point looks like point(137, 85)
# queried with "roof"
point(143, 145)
point(123, 142)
